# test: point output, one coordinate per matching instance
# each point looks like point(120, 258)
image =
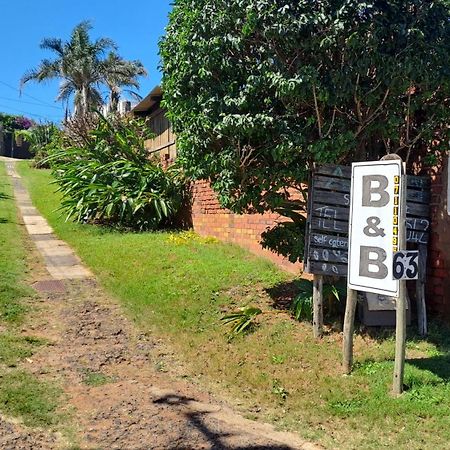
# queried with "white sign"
point(406, 265)
point(374, 226)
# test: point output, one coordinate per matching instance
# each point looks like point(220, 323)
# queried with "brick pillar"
point(438, 274)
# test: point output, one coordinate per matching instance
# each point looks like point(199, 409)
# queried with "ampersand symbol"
point(372, 229)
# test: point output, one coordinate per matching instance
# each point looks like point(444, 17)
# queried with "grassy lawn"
point(22, 395)
point(178, 287)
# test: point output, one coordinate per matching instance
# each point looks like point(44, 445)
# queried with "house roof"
point(148, 102)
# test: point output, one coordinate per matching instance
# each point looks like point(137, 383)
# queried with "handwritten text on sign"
point(374, 226)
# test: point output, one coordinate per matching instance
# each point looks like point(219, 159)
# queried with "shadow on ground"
point(439, 365)
point(198, 419)
point(282, 294)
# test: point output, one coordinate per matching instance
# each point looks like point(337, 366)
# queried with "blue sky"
point(135, 27)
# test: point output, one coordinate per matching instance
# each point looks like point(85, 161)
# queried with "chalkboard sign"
point(328, 215)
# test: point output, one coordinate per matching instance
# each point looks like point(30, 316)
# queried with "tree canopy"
point(83, 69)
point(260, 90)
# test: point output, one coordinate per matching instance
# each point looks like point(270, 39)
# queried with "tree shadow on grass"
point(439, 335)
point(197, 415)
point(282, 294)
point(439, 365)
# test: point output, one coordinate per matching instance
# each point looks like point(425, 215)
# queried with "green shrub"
point(112, 180)
point(43, 139)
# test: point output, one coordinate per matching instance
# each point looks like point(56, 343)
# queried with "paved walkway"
point(60, 260)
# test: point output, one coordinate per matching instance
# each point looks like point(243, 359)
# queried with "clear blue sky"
point(135, 27)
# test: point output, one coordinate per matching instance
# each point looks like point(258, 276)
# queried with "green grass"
point(22, 394)
point(178, 287)
point(14, 348)
point(12, 261)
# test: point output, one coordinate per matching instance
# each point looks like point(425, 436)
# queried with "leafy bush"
point(286, 238)
point(111, 180)
point(42, 139)
point(259, 91)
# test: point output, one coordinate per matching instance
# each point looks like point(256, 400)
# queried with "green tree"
point(81, 66)
point(260, 90)
point(121, 74)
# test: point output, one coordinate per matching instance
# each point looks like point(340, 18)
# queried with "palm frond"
point(53, 44)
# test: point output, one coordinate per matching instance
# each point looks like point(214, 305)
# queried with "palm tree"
point(82, 68)
point(120, 73)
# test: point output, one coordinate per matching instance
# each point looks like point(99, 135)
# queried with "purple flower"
point(23, 123)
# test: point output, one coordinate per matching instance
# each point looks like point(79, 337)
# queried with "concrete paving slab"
point(28, 211)
point(34, 220)
point(39, 229)
point(43, 237)
point(68, 273)
point(62, 260)
point(56, 251)
point(51, 243)
point(22, 197)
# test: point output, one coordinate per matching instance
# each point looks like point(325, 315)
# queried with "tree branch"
point(316, 107)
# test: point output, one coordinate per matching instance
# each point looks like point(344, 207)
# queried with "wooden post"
point(349, 321)
point(317, 306)
point(400, 307)
point(400, 340)
point(420, 292)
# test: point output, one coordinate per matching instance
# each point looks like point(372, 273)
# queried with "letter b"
point(369, 190)
point(366, 262)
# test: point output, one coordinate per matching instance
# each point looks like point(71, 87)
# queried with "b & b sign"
point(374, 226)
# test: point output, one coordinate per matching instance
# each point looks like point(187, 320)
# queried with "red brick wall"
point(209, 219)
point(438, 274)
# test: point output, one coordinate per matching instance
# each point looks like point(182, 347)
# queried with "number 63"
point(405, 265)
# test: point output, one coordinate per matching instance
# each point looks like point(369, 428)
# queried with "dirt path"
point(115, 396)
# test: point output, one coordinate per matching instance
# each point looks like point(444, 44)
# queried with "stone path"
point(60, 260)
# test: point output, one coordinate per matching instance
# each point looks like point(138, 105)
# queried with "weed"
point(93, 378)
point(188, 237)
point(278, 359)
point(160, 366)
point(279, 390)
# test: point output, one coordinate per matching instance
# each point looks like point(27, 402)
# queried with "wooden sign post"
point(349, 323)
point(400, 307)
point(317, 306)
point(377, 241)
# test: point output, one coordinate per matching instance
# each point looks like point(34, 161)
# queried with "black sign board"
point(328, 216)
